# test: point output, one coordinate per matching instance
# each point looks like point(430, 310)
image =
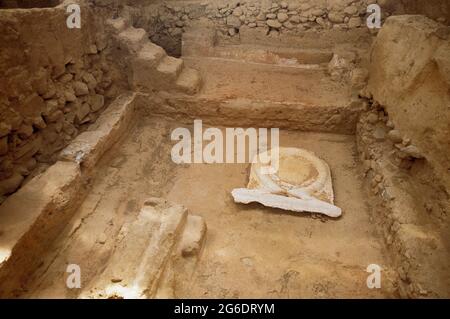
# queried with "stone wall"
point(165, 21)
point(55, 81)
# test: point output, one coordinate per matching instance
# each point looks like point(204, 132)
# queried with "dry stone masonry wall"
point(54, 82)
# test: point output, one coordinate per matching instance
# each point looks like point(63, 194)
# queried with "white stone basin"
point(301, 184)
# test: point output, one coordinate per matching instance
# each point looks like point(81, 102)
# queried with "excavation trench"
point(250, 251)
point(91, 153)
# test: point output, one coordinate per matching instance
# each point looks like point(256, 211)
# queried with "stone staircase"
point(151, 68)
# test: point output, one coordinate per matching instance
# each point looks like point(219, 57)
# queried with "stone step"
point(88, 147)
point(144, 66)
point(170, 68)
point(143, 250)
point(151, 54)
point(133, 39)
point(189, 81)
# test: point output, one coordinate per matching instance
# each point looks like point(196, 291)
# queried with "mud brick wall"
point(54, 81)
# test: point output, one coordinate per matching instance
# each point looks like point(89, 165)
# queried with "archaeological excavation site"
point(203, 149)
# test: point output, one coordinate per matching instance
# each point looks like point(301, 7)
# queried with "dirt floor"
point(225, 78)
point(250, 251)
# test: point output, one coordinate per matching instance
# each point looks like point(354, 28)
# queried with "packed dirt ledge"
point(95, 97)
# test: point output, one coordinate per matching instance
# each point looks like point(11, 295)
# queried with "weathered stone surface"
point(146, 245)
point(417, 102)
point(302, 183)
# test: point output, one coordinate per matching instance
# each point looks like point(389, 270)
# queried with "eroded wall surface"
point(55, 80)
point(410, 77)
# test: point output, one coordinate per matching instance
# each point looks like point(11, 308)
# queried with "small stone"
point(234, 22)
point(25, 131)
point(83, 110)
point(395, 136)
point(66, 78)
point(354, 22)
point(318, 12)
point(10, 185)
point(390, 124)
point(412, 151)
point(336, 17)
point(70, 97)
point(92, 49)
point(372, 118)
point(275, 24)
point(252, 25)
point(90, 80)
point(282, 17)
point(351, 10)
point(379, 134)
point(50, 107)
point(238, 12)
point(295, 19)
point(54, 117)
point(271, 16)
point(39, 123)
point(284, 5)
point(50, 93)
point(288, 25)
point(116, 280)
point(231, 32)
point(80, 88)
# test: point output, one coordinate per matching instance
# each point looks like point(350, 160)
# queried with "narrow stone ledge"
point(87, 149)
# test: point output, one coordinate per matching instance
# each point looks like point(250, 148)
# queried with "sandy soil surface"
point(234, 79)
point(250, 251)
